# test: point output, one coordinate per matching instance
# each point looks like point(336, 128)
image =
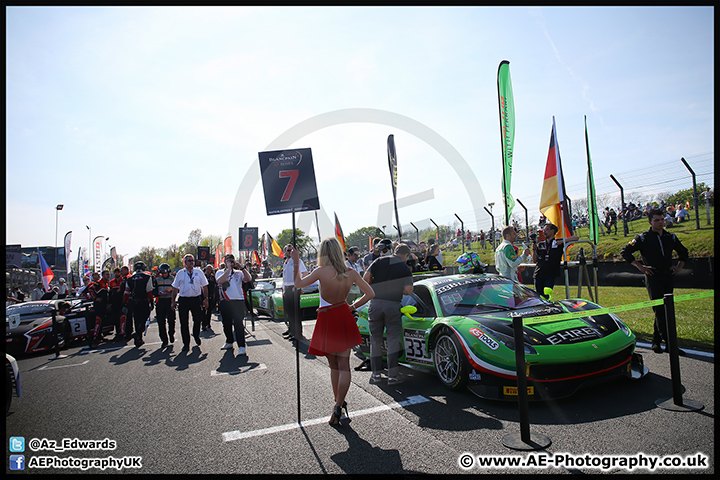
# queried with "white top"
point(187, 287)
point(288, 279)
point(234, 290)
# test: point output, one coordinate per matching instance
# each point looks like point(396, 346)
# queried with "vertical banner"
point(217, 257)
point(339, 233)
point(68, 237)
point(288, 179)
point(228, 245)
point(248, 239)
point(97, 253)
point(593, 216)
point(263, 248)
point(507, 133)
point(392, 163)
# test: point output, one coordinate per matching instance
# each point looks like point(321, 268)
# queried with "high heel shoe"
point(335, 417)
point(347, 414)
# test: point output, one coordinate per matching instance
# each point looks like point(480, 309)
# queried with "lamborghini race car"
point(28, 325)
point(461, 327)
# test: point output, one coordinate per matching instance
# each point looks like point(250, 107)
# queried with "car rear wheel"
point(450, 362)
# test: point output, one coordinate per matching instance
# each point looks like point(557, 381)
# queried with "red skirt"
point(335, 330)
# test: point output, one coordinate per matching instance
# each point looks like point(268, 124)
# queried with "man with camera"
point(232, 302)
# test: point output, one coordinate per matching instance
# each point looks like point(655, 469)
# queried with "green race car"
point(267, 298)
point(460, 326)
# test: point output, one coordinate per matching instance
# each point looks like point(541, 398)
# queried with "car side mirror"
point(408, 310)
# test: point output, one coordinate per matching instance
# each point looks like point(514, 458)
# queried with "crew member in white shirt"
point(232, 302)
point(190, 283)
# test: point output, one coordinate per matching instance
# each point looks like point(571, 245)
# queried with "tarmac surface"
point(208, 411)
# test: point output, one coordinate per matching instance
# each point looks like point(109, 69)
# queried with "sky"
point(145, 123)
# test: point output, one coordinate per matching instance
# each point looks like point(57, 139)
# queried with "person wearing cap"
point(352, 260)
point(391, 278)
point(373, 255)
point(62, 289)
point(164, 314)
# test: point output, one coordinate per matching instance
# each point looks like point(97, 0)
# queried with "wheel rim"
point(447, 362)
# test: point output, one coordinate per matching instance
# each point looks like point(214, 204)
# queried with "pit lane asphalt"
point(207, 411)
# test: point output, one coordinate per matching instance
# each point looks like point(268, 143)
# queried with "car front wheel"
point(450, 362)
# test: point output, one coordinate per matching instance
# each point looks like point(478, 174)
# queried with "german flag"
point(553, 199)
point(339, 233)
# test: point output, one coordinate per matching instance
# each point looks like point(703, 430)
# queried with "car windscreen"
point(29, 309)
point(484, 294)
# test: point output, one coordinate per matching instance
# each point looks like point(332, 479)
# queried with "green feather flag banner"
point(593, 216)
point(507, 133)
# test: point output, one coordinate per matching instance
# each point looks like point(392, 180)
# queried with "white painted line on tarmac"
point(699, 353)
point(245, 369)
point(237, 435)
point(64, 366)
point(85, 350)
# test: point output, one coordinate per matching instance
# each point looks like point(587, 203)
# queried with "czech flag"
point(339, 233)
point(553, 199)
point(47, 274)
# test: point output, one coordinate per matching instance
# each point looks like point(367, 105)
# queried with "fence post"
point(676, 402)
point(526, 440)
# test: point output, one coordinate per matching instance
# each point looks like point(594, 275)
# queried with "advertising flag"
point(97, 253)
point(276, 250)
point(593, 216)
point(392, 163)
point(47, 274)
point(68, 237)
point(228, 245)
point(507, 133)
point(263, 248)
point(553, 199)
point(339, 233)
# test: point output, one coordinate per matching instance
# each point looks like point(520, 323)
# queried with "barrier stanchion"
point(525, 440)
point(55, 336)
point(676, 403)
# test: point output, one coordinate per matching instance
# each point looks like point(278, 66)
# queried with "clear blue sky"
point(143, 122)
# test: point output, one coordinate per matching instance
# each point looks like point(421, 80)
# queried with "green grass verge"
point(694, 318)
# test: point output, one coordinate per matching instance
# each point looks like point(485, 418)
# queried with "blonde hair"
point(331, 253)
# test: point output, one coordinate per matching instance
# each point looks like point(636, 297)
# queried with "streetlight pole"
point(57, 209)
point(89, 243)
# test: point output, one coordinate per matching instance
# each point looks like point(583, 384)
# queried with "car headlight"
point(620, 324)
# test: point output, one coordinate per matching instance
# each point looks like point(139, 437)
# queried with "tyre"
point(450, 363)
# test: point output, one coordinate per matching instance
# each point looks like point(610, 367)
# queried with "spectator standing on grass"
point(656, 247)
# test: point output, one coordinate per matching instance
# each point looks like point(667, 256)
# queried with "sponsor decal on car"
point(513, 391)
point(573, 335)
point(484, 338)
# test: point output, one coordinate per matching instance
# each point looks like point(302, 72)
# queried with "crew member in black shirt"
point(656, 247)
